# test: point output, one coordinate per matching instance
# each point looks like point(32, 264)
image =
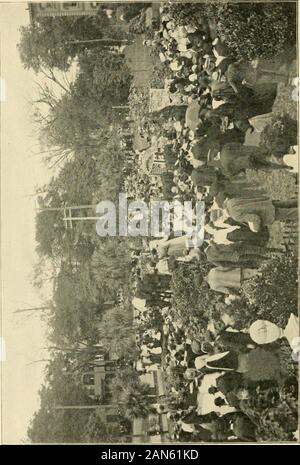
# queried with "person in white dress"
point(206, 401)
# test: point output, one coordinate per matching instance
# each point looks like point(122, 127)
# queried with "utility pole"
point(83, 407)
point(32, 309)
point(107, 42)
point(38, 361)
point(67, 212)
point(81, 218)
point(75, 207)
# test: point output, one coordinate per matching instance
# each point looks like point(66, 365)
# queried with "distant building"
point(96, 378)
point(45, 9)
point(108, 414)
point(154, 428)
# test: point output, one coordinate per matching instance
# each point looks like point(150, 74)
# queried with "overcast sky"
point(21, 172)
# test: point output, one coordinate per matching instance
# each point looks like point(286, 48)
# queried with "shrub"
point(193, 303)
point(138, 102)
point(137, 25)
point(256, 30)
point(279, 423)
point(159, 73)
point(274, 411)
point(263, 298)
point(242, 313)
point(280, 134)
point(250, 30)
point(191, 13)
point(274, 295)
point(132, 10)
point(263, 365)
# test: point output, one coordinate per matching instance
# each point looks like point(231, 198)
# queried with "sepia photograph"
point(149, 223)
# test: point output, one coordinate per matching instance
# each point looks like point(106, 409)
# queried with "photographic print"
point(149, 222)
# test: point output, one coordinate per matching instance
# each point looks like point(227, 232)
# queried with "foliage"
point(274, 411)
point(78, 179)
point(89, 177)
point(138, 185)
point(242, 26)
point(283, 102)
point(70, 126)
point(117, 333)
point(54, 241)
point(77, 302)
point(262, 365)
point(110, 160)
point(38, 49)
point(279, 184)
point(242, 313)
point(262, 296)
point(51, 423)
point(279, 423)
point(264, 293)
point(111, 263)
point(137, 24)
point(49, 42)
point(47, 236)
point(159, 73)
point(192, 303)
point(98, 70)
point(138, 101)
point(96, 431)
point(173, 378)
point(78, 137)
point(131, 10)
point(287, 365)
point(51, 426)
point(280, 134)
point(132, 394)
point(80, 118)
point(43, 272)
point(191, 13)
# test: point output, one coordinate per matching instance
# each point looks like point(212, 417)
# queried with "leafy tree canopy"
point(49, 43)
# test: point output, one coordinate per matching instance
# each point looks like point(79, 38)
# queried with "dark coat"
point(228, 382)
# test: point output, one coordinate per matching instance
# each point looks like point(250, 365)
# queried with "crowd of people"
point(218, 107)
point(219, 374)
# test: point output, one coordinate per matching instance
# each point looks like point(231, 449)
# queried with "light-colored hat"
point(264, 332)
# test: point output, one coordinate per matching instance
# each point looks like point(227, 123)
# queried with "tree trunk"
point(31, 309)
point(83, 407)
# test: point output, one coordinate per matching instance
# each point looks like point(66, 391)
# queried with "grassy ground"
point(148, 71)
